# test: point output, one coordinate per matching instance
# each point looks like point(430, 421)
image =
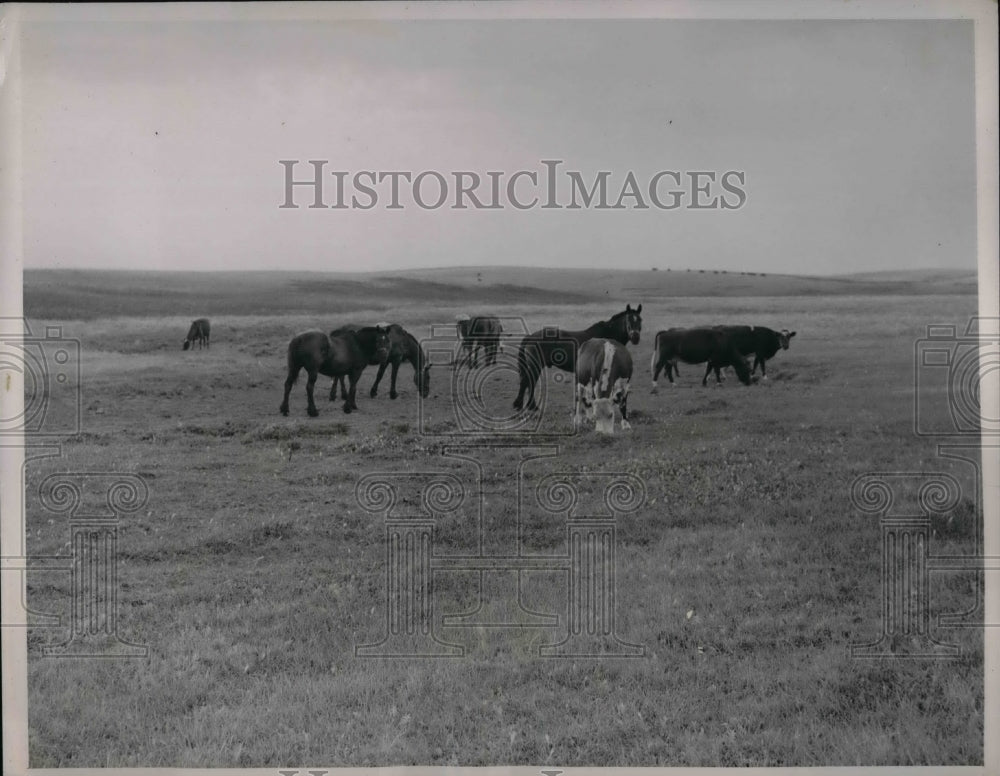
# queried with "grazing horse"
point(697, 346)
point(373, 342)
point(558, 347)
point(481, 331)
point(403, 346)
point(331, 356)
point(759, 341)
point(603, 371)
point(199, 332)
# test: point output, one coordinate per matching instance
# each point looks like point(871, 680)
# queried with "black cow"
point(479, 331)
point(759, 341)
point(697, 346)
point(199, 332)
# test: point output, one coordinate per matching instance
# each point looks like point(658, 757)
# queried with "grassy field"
point(252, 573)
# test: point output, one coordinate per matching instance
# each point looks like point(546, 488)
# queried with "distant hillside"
point(88, 294)
point(666, 283)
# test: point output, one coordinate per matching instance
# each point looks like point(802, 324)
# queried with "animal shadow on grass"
point(713, 404)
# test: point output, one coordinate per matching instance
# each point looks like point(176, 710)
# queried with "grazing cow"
point(481, 331)
point(759, 341)
point(603, 371)
point(370, 338)
point(403, 346)
point(697, 346)
point(557, 347)
point(199, 332)
point(331, 356)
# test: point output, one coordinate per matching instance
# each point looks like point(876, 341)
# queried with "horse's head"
point(187, 344)
point(784, 338)
point(633, 323)
point(382, 342)
point(463, 321)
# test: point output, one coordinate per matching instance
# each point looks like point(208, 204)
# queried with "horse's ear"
point(639, 308)
point(628, 308)
point(791, 335)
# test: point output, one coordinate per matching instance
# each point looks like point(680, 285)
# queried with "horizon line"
point(400, 271)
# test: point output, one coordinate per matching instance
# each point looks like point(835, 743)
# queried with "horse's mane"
point(412, 345)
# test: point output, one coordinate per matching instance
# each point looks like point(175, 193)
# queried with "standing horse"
point(557, 347)
point(370, 339)
point(603, 371)
point(481, 331)
point(403, 346)
point(199, 332)
point(331, 356)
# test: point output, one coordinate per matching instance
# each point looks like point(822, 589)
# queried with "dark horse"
point(558, 347)
point(403, 346)
point(480, 331)
point(369, 337)
point(199, 332)
point(337, 356)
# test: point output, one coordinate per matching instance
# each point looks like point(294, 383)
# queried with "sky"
point(156, 145)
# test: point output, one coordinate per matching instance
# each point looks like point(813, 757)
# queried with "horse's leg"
point(519, 400)
point(623, 406)
point(293, 373)
point(763, 369)
point(578, 415)
point(378, 378)
point(533, 380)
point(350, 403)
point(310, 387)
point(392, 380)
point(523, 370)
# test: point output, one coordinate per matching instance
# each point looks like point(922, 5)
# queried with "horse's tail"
point(656, 354)
point(293, 373)
point(522, 360)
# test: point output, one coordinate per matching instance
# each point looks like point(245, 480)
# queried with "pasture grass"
point(252, 573)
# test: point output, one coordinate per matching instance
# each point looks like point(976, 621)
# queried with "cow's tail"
point(609, 360)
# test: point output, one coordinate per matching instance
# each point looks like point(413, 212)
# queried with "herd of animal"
point(597, 355)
